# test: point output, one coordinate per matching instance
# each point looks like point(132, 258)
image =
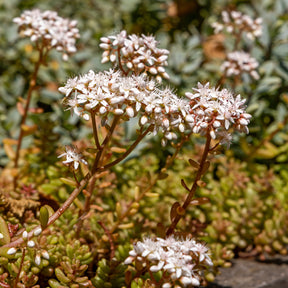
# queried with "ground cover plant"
point(144, 149)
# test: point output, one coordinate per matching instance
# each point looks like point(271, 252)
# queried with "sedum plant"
point(98, 237)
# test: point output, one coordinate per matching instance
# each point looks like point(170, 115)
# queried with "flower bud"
point(11, 251)
point(25, 235)
point(153, 70)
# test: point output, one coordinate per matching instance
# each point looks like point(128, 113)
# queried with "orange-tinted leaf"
point(118, 150)
point(194, 164)
point(173, 211)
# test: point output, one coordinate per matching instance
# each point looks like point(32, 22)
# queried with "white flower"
point(240, 62)
point(45, 254)
point(225, 138)
point(175, 257)
point(49, 29)
point(215, 111)
point(111, 93)
point(235, 22)
point(25, 235)
point(72, 157)
point(202, 252)
point(139, 54)
point(166, 285)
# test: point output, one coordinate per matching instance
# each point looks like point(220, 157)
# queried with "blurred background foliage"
point(183, 27)
point(247, 185)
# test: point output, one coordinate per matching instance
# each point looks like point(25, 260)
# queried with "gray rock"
point(246, 273)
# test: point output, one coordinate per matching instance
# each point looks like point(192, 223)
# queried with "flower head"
point(216, 111)
point(111, 93)
point(138, 54)
point(239, 62)
point(181, 259)
point(235, 22)
point(49, 29)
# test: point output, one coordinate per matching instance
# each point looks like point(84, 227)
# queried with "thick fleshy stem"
point(193, 189)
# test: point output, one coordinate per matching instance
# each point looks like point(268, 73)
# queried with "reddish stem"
point(194, 186)
point(104, 144)
point(129, 150)
point(20, 268)
point(56, 215)
point(112, 246)
point(32, 85)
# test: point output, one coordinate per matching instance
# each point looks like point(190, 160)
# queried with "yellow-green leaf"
point(44, 216)
point(5, 238)
point(69, 182)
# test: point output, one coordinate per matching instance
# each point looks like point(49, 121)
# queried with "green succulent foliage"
point(247, 213)
point(70, 274)
point(247, 210)
point(109, 274)
point(68, 257)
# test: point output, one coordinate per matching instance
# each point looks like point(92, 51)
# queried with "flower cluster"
point(235, 22)
point(109, 92)
point(180, 258)
point(49, 29)
point(73, 158)
point(136, 54)
point(238, 62)
point(216, 111)
point(209, 110)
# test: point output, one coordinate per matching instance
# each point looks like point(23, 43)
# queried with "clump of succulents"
point(100, 219)
point(246, 214)
point(113, 97)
